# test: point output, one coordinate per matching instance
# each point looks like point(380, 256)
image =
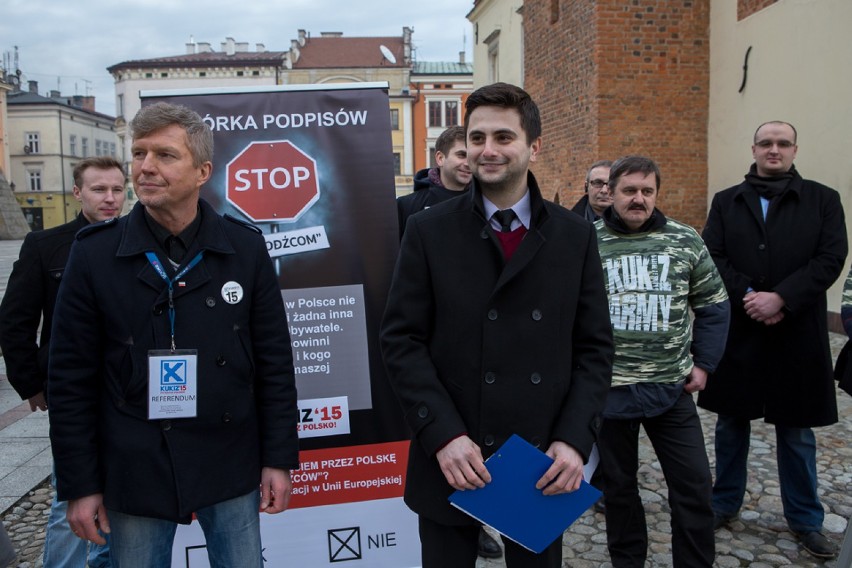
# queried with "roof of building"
point(350, 52)
point(441, 68)
point(28, 98)
point(205, 59)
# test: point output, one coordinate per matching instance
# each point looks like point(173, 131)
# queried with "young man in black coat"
point(29, 301)
point(779, 242)
point(496, 324)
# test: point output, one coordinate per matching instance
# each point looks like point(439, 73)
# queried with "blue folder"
point(514, 507)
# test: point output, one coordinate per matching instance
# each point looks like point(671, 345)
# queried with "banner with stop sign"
point(312, 167)
point(272, 182)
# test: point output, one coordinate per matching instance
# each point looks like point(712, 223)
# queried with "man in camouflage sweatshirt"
point(655, 270)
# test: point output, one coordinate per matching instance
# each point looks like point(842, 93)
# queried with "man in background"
point(780, 242)
point(449, 178)
point(29, 300)
point(598, 195)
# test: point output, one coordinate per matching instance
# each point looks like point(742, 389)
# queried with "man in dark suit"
point(779, 242)
point(496, 324)
point(171, 376)
point(30, 299)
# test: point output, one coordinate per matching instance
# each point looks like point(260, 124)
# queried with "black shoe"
point(720, 520)
point(817, 544)
point(599, 506)
point(488, 547)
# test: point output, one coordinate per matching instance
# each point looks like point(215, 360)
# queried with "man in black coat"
point(29, 301)
point(171, 377)
point(496, 324)
point(779, 242)
point(598, 194)
point(449, 178)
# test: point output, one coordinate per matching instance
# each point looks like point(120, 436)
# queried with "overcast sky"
point(68, 46)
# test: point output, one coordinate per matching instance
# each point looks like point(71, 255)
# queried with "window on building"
point(202, 74)
point(73, 144)
point(255, 73)
point(149, 75)
point(164, 74)
point(443, 113)
point(493, 63)
point(97, 147)
point(451, 113)
point(32, 143)
point(432, 162)
point(435, 112)
point(34, 180)
point(394, 115)
point(397, 164)
point(119, 105)
point(85, 149)
point(240, 73)
point(112, 150)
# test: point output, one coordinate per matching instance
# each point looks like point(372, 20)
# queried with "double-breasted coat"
point(29, 300)
point(474, 344)
point(111, 310)
point(779, 372)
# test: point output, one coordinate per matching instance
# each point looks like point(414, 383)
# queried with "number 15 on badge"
point(172, 385)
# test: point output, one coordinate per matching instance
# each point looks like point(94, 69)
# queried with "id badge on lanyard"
point(172, 373)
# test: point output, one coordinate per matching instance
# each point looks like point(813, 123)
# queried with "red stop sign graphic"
point(272, 182)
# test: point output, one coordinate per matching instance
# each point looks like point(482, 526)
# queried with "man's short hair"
point(506, 96)
point(160, 115)
point(795, 133)
point(97, 162)
point(598, 164)
point(448, 139)
point(630, 165)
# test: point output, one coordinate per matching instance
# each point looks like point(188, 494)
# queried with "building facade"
point(47, 136)
point(498, 41)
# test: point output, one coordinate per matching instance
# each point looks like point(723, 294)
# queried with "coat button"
point(536, 441)
point(166, 425)
point(535, 378)
point(220, 361)
point(422, 412)
point(210, 301)
point(226, 417)
point(483, 234)
point(56, 274)
point(761, 246)
point(489, 440)
point(157, 311)
point(492, 314)
point(490, 378)
point(536, 314)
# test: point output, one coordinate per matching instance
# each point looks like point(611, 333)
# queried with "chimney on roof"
point(228, 46)
point(242, 46)
point(190, 48)
point(33, 86)
point(204, 47)
point(54, 94)
point(260, 48)
point(331, 34)
point(461, 57)
point(303, 36)
point(406, 43)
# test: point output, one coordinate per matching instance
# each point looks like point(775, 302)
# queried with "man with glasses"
point(598, 195)
point(779, 242)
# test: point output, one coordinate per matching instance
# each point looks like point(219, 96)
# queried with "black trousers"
point(679, 443)
point(446, 546)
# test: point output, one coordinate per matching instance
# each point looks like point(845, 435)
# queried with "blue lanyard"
point(158, 266)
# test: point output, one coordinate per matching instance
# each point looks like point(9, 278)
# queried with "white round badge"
point(232, 292)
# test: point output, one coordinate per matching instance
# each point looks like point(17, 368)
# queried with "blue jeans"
point(231, 528)
point(63, 549)
point(796, 457)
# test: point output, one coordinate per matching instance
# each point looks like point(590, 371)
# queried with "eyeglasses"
point(782, 144)
point(597, 183)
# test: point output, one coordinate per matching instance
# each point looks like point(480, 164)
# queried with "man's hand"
point(565, 474)
point(462, 464)
point(696, 380)
point(38, 402)
point(763, 306)
point(86, 515)
point(275, 488)
point(774, 319)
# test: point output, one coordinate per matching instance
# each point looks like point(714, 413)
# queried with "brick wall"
point(746, 8)
point(615, 78)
